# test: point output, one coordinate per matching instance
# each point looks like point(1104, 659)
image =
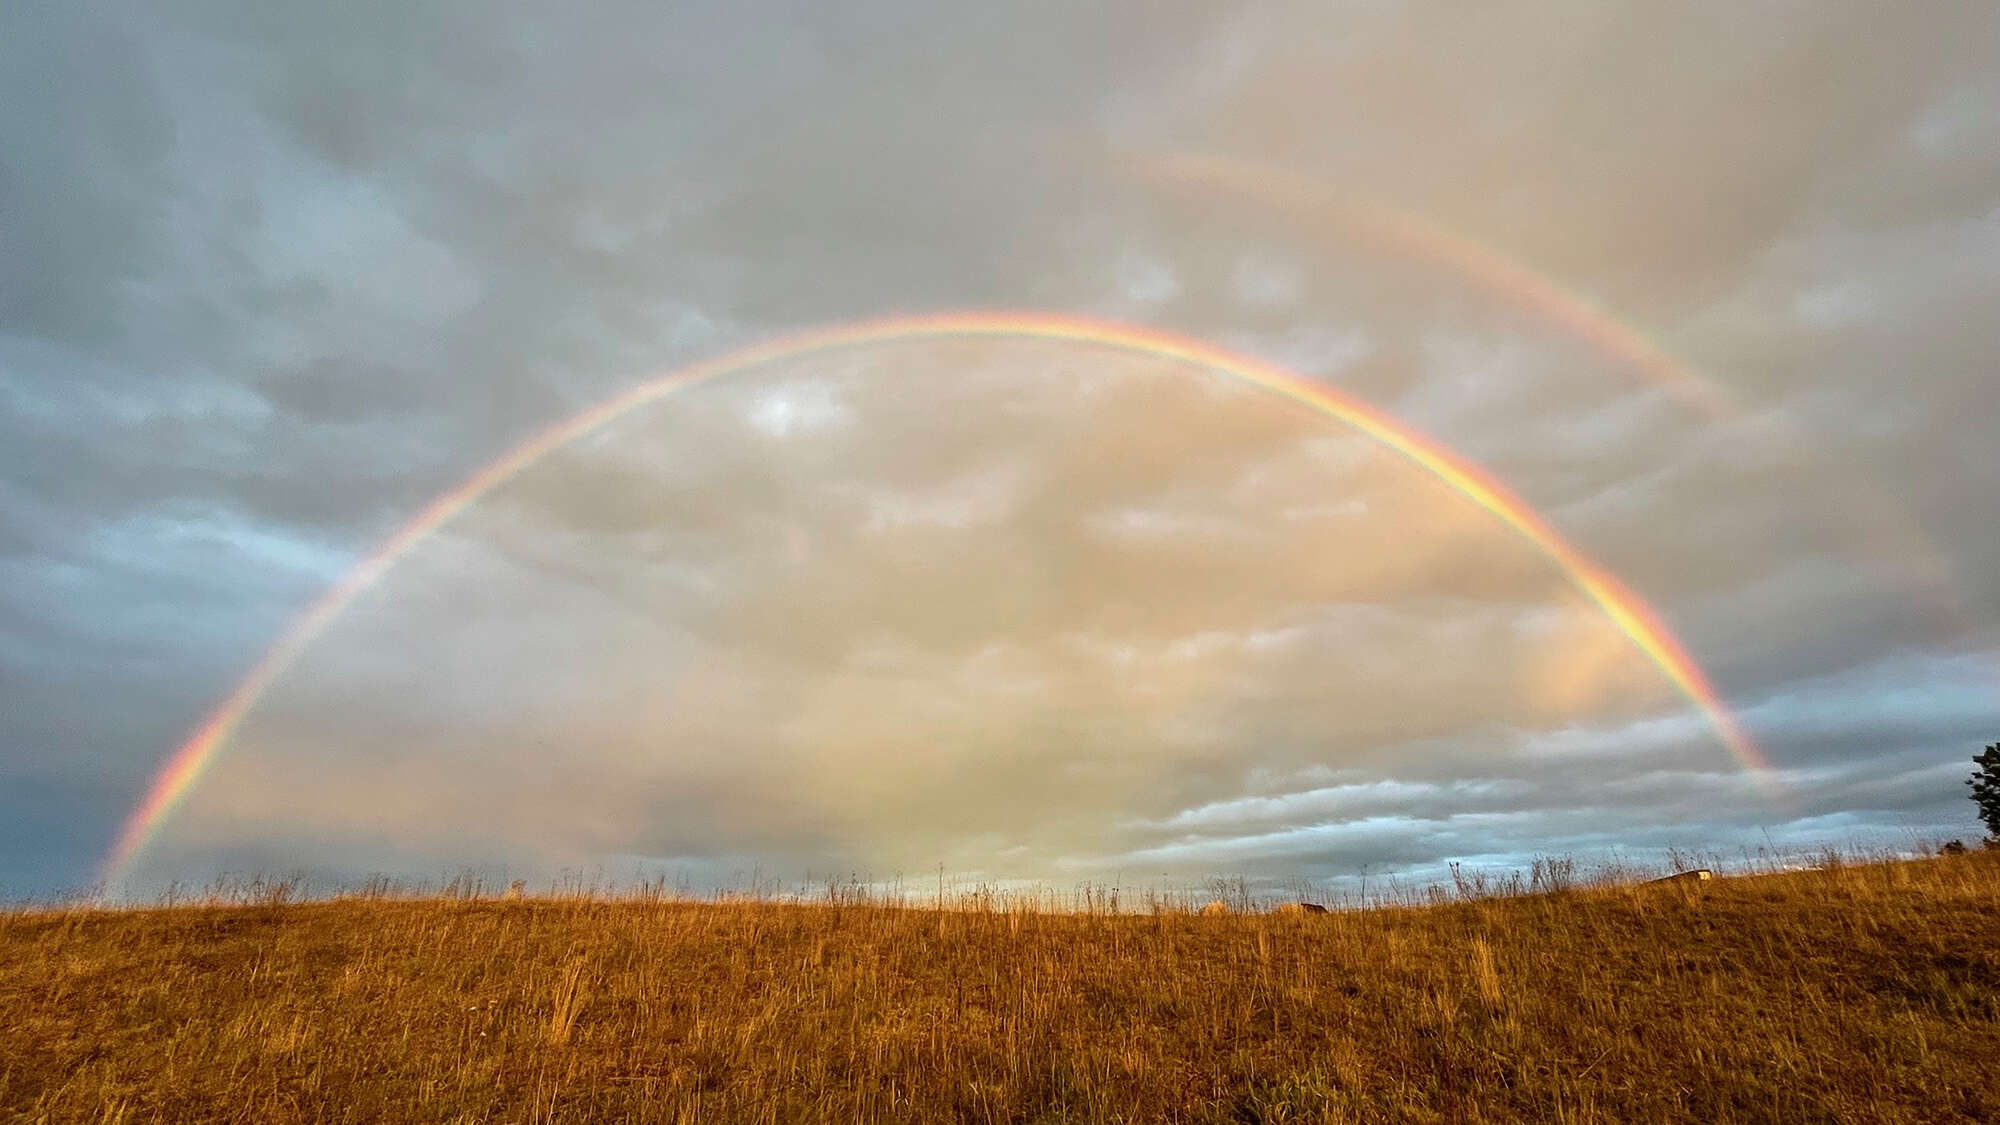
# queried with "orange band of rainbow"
point(1626, 610)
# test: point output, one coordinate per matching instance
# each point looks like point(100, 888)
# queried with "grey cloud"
point(83, 170)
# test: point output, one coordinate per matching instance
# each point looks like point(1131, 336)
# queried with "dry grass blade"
point(571, 994)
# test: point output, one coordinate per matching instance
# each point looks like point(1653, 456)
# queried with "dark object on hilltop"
point(1985, 782)
point(1698, 875)
point(1955, 847)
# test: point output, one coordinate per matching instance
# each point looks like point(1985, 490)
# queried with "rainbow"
point(1631, 615)
point(1378, 224)
point(1895, 546)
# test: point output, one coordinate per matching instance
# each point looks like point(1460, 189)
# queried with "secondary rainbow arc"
point(1624, 608)
point(1412, 236)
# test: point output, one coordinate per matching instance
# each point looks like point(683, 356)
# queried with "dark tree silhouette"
point(1985, 782)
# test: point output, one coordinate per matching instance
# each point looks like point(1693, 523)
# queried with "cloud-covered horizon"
point(272, 281)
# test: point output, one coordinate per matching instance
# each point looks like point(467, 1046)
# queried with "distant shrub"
point(1553, 874)
point(1985, 783)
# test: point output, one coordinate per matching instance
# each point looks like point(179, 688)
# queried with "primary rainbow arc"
point(1625, 609)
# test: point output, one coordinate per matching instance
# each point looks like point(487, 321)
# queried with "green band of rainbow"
point(1626, 610)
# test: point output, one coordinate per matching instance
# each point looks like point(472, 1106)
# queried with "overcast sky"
point(274, 276)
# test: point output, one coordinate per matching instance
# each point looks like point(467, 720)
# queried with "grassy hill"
point(1860, 993)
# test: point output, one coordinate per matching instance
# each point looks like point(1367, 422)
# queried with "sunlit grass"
point(1850, 992)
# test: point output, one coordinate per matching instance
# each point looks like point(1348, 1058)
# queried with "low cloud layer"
point(1023, 609)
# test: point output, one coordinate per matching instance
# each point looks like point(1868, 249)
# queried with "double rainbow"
point(1896, 547)
point(1625, 609)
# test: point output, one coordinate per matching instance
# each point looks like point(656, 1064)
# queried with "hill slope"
point(1864, 993)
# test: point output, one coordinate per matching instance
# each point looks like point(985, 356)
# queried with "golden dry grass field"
point(1859, 993)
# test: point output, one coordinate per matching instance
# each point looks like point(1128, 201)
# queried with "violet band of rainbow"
point(1625, 609)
